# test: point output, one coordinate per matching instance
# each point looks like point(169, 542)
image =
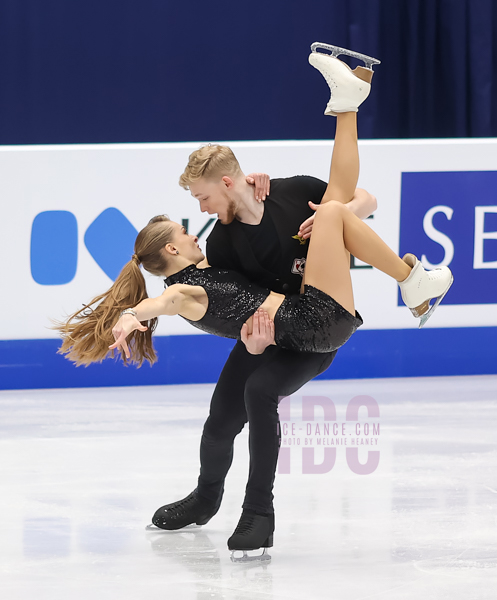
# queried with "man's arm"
point(363, 204)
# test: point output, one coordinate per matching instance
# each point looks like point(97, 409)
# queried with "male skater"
point(267, 242)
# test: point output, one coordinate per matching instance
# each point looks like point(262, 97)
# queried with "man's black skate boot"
point(253, 531)
point(192, 509)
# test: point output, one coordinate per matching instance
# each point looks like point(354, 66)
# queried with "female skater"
point(220, 302)
point(320, 319)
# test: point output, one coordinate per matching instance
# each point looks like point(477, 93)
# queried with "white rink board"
point(140, 180)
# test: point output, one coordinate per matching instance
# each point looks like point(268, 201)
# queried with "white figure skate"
point(349, 88)
point(422, 286)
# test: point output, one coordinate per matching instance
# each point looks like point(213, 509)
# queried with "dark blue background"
point(75, 71)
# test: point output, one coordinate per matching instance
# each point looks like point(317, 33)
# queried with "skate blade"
point(156, 529)
point(428, 314)
point(336, 51)
point(263, 558)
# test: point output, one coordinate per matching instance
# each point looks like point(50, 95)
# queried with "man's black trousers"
point(249, 389)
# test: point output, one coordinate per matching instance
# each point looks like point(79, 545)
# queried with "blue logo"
point(109, 239)
point(450, 219)
point(54, 247)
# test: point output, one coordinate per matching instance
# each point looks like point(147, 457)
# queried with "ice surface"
point(82, 471)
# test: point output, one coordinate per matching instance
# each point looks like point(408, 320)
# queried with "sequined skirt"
point(313, 322)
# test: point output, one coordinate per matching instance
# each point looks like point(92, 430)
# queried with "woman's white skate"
point(336, 51)
point(349, 88)
point(423, 286)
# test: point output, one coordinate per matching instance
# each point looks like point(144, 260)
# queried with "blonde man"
point(267, 242)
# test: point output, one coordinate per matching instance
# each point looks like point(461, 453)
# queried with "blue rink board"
point(28, 364)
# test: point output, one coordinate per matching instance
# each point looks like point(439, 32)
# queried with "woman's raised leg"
point(344, 170)
point(336, 231)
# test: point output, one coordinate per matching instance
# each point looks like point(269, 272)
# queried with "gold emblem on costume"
point(302, 240)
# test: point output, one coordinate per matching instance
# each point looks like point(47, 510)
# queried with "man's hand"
point(126, 325)
point(305, 229)
point(262, 334)
point(261, 183)
point(362, 205)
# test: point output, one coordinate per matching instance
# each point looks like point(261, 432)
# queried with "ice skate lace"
point(182, 506)
point(245, 525)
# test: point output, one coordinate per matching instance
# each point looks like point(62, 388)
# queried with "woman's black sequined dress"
point(308, 322)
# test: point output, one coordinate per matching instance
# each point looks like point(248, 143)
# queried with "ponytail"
point(87, 334)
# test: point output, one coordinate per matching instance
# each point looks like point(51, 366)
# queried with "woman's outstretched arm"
point(171, 302)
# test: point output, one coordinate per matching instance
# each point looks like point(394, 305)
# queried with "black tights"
point(249, 389)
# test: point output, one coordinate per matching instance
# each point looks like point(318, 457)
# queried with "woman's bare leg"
point(344, 170)
point(336, 231)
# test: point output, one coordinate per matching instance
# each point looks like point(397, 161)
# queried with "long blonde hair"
point(87, 333)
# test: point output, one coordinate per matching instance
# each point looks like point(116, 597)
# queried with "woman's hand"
point(261, 183)
point(262, 334)
point(126, 325)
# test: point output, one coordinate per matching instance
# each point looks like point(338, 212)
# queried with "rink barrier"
point(189, 359)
